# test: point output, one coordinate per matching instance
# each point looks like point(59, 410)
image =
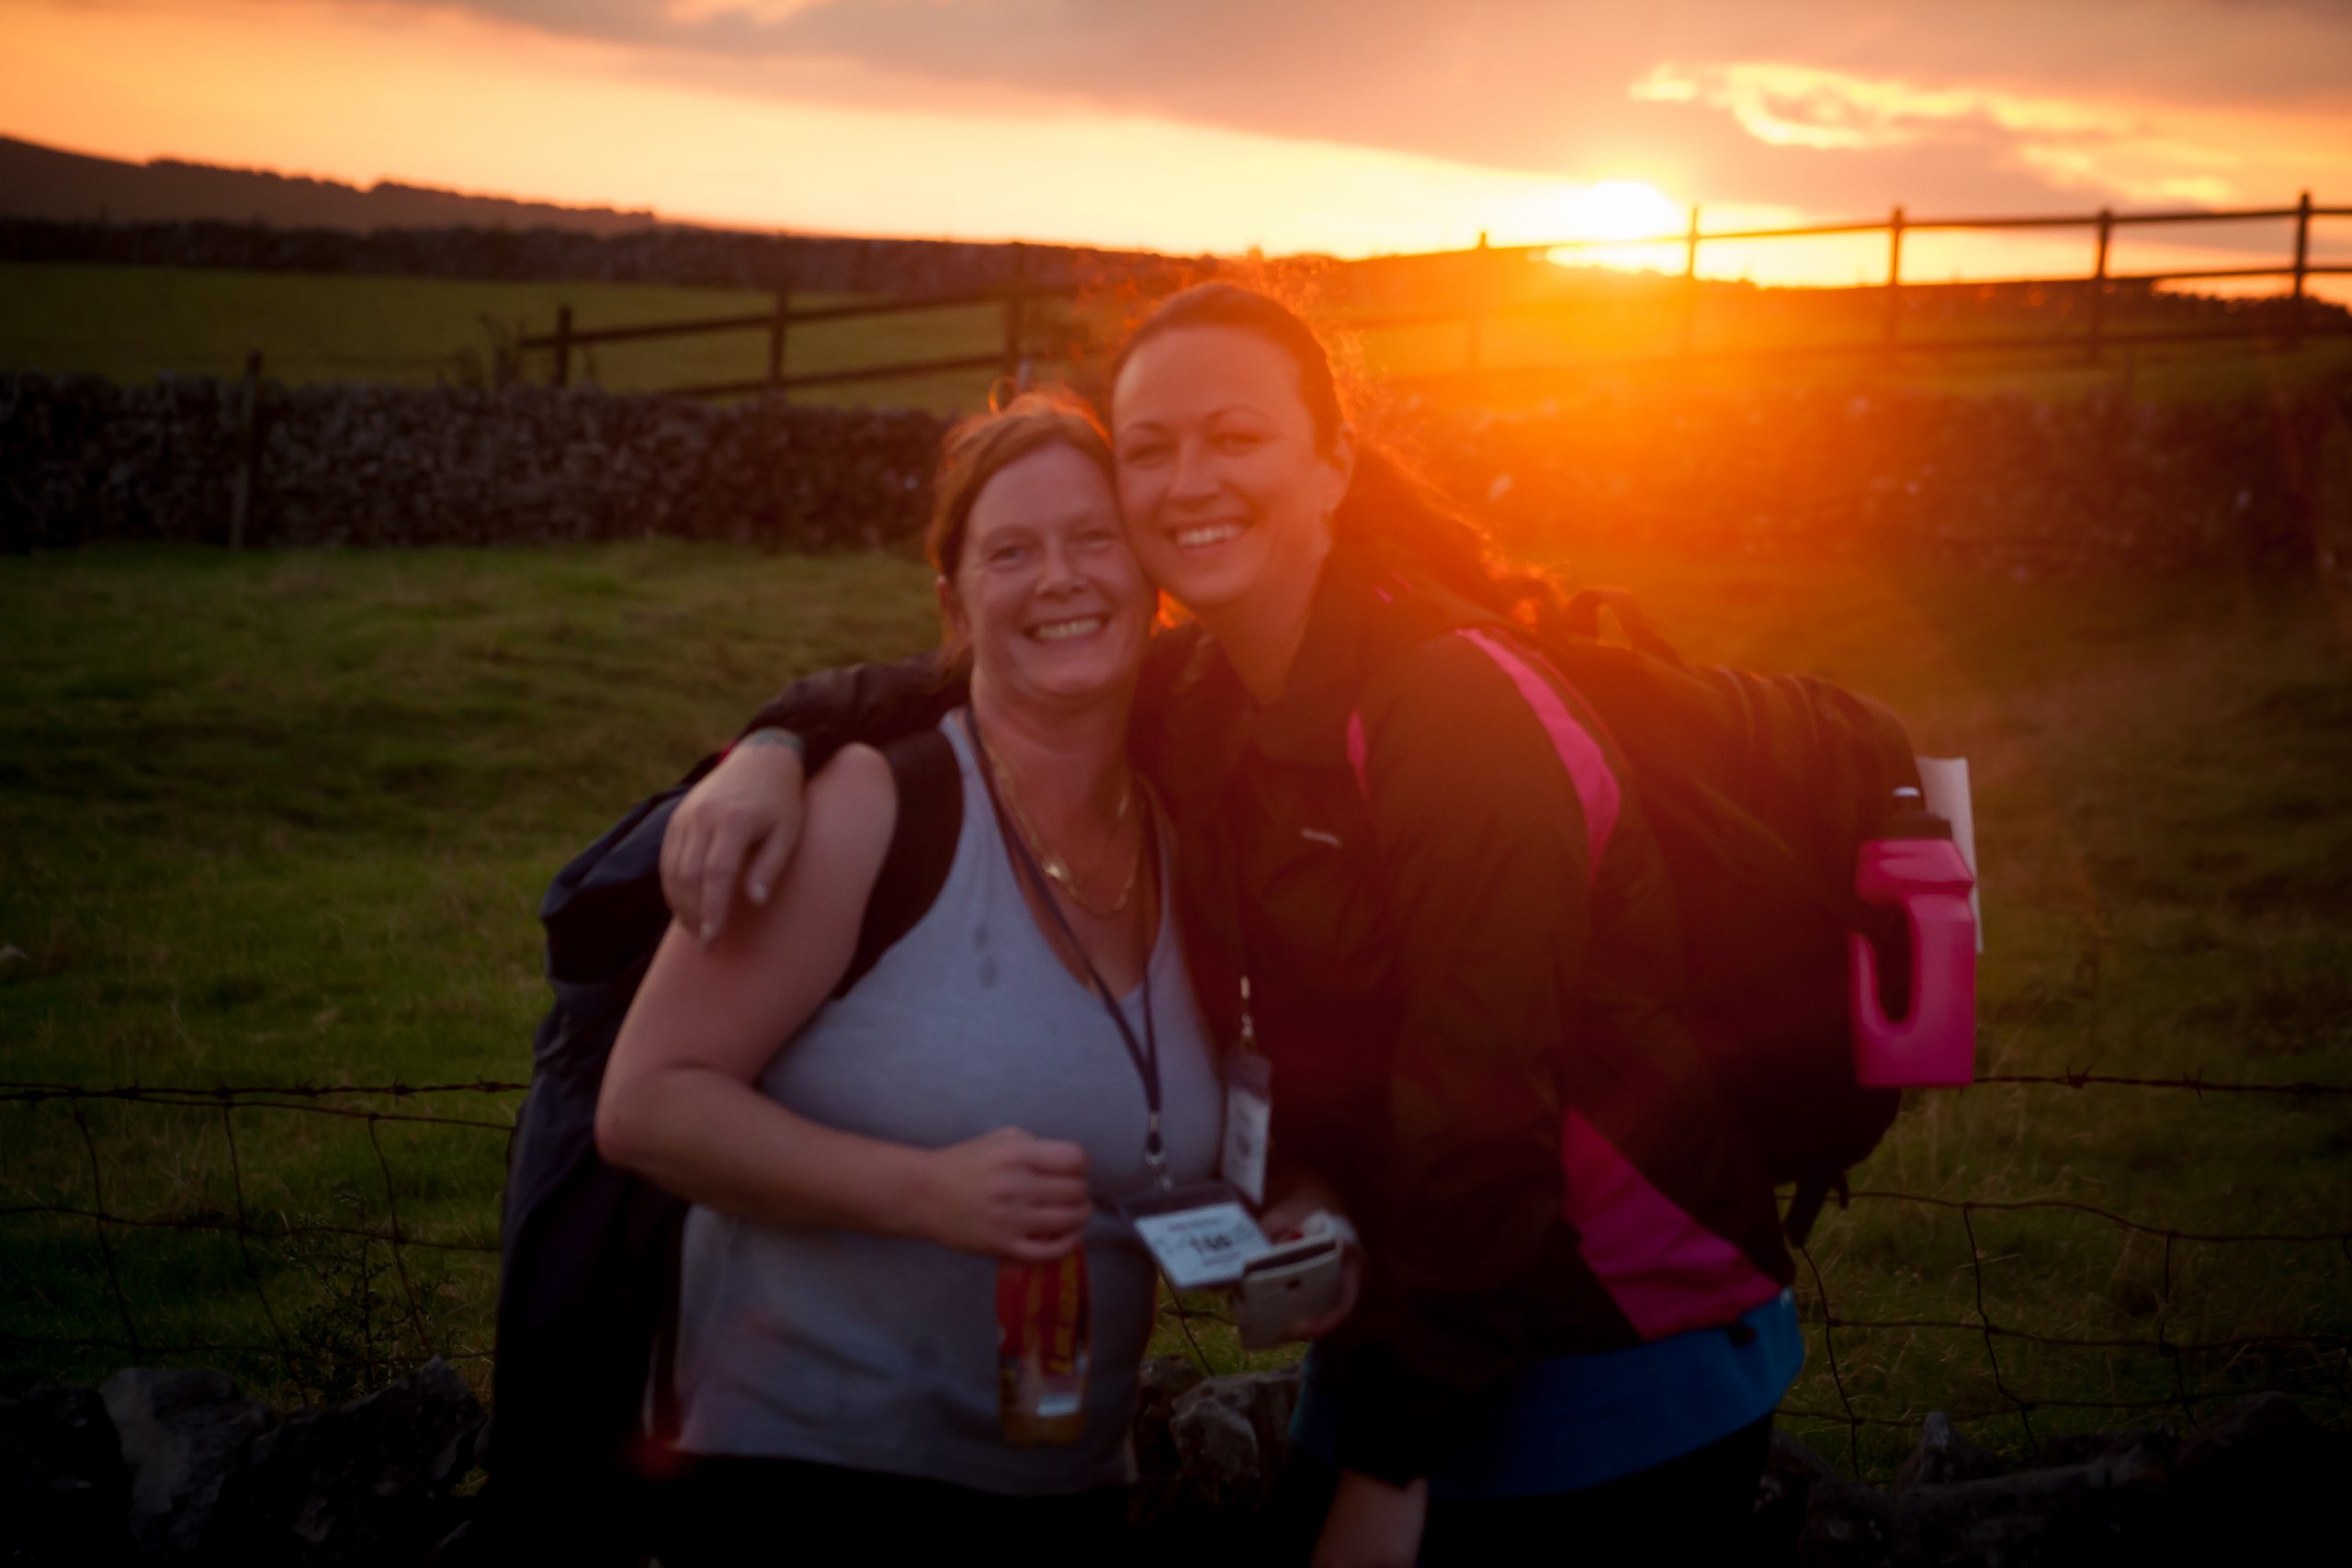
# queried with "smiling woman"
point(1039, 584)
point(1223, 476)
point(949, 1124)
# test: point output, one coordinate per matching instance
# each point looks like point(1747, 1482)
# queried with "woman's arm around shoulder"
point(742, 819)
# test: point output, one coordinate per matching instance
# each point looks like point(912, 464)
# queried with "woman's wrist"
point(770, 738)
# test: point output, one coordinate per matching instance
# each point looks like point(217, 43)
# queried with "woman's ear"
point(1342, 459)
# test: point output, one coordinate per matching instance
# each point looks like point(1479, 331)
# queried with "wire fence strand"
point(2328, 1348)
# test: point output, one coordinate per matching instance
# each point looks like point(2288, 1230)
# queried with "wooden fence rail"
point(1480, 307)
point(1890, 343)
point(779, 323)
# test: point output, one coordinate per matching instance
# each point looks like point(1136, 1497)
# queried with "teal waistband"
point(1576, 1421)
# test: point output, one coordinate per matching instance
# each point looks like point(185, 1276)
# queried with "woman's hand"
point(1281, 1221)
point(748, 805)
point(1372, 1523)
point(1006, 1194)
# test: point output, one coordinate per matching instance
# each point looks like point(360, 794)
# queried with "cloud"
point(2244, 52)
point(1786, 105)
point(1807, 102)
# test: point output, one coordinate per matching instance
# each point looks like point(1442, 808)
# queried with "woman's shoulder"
point(1452, 671)
point(855, 785)
point(1484, 695)
point(905, 802)
point(851, 808)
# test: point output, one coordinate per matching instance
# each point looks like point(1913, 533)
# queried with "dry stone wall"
point(713, 257)
point(83, 461)
point(1998, 484)
point(2008, 483)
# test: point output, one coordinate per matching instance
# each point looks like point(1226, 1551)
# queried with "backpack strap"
point(929, 781)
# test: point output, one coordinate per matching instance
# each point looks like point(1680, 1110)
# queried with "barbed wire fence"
point(2329, 1350)
point(307, 1100)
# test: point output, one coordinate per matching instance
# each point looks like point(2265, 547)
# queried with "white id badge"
point(1201, 1236)
point(1248, 1123)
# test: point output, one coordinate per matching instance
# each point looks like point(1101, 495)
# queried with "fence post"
point(1690, 281)
point(1893, 279)
point(563, 346)
point(776, 325)
point(2098, 285)
point(1012, 303)
point(2302, 268)
point(241, 484)
point(1473, 350)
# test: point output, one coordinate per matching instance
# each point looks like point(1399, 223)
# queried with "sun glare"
point(1597, 220)
point(1622, 210)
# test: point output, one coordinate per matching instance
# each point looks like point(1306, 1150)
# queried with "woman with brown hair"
point(1431, 863)
point(878, 1134)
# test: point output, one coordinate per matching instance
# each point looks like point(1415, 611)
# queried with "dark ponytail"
point(1392, 510)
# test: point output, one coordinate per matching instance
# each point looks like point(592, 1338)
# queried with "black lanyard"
point(1144, 1053)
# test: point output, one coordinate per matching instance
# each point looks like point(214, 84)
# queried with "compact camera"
point(1295, 1279)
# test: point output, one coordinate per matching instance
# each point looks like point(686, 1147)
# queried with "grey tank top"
point(879, 1352)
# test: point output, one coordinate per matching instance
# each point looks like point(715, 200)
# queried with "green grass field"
point(1613, 328)
point(284, 819)
point(132, 323)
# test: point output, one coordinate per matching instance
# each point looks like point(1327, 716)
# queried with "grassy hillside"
point(133, 323)
point(284, 819)
point(1629, 325)
point(49, 182)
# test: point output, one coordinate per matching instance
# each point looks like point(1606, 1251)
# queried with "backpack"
point(1761, 790)
point(582, 1414)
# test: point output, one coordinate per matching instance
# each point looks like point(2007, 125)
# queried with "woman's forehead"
point(1193, 373)
point(1056, 486)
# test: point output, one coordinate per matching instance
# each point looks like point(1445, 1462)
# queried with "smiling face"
point(1045, 591)
point(1227, 486)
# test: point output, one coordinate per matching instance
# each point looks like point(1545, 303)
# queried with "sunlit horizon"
point(453, 97)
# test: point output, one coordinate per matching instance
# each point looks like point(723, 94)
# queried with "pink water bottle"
point(1913, 869)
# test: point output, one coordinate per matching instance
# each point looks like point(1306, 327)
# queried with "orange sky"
point(1219, 131)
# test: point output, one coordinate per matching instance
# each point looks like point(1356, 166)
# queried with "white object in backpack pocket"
point(1943, 784)
point(1296, 1279)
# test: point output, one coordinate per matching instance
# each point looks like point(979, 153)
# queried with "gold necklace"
point(1055, 868)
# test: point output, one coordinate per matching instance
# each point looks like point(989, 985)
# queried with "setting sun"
point(1619, 224)
point(1622, 210)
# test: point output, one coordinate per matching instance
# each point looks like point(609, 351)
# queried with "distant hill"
point(47, 183)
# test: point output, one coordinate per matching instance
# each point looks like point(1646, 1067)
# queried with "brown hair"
point(1391, 507)
point(981, 446)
